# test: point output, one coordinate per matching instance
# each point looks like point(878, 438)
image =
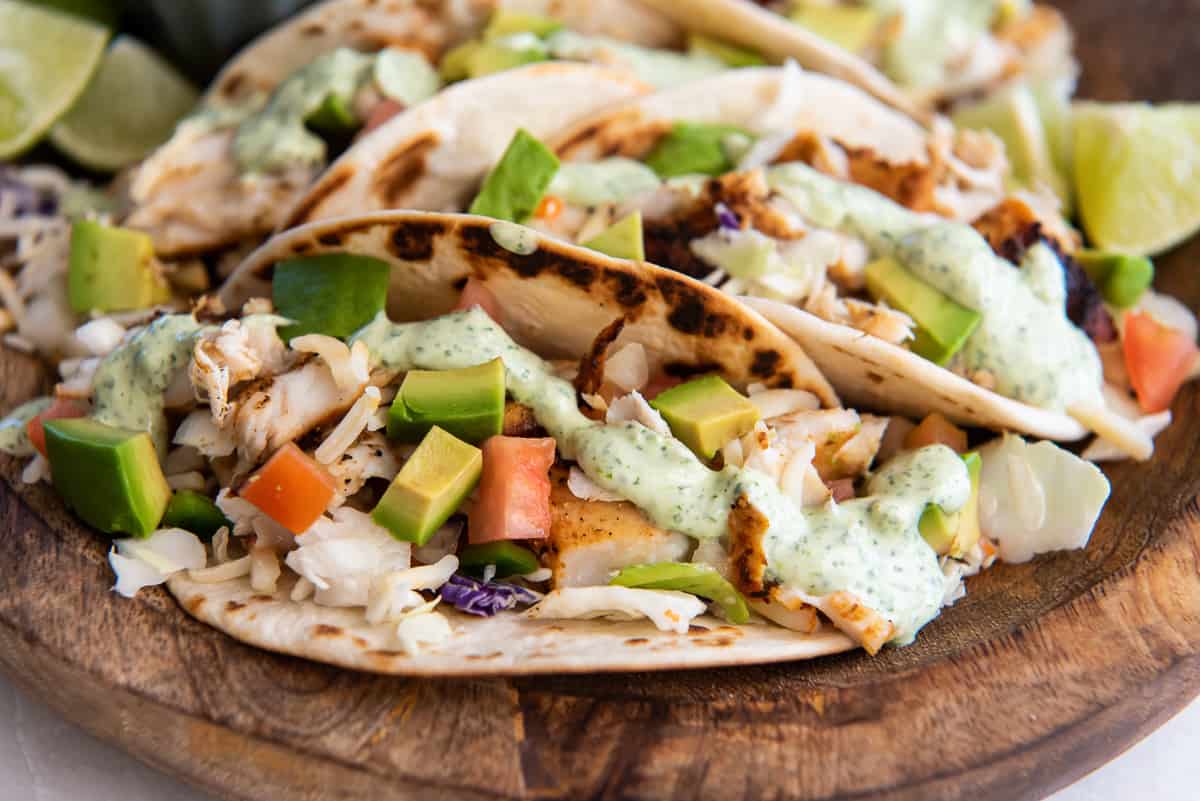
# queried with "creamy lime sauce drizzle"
point(610, 180)
point(513, 237)
point(659, 68)
point(127, 391)
point(1035, 353)
point(14, 439)
point(870, 546)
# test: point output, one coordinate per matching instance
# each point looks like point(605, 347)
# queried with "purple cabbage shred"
point(22, 199)
point(728, 218)
point(484, 598)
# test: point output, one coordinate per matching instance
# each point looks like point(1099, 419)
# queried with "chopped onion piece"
point(148, 562)
point(222, 572)
point(778, 402)
point(628, 367)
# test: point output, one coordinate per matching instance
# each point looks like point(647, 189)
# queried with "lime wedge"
point(46, 59)
point(1137, 174)
point(1013, 115)
point(130, 108)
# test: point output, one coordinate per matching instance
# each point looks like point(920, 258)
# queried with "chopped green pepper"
point(509, 558)
point(196, 513)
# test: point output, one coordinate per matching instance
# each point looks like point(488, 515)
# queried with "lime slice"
point(1137, 174)
point(46, 59)
point(1013, 115)
point(130, 108)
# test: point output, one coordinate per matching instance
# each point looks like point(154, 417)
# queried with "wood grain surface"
point(1042, 673)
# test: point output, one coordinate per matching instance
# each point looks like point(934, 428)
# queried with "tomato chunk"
point(936, 430)
point(291, 489)
point(476, 293)
point(61, 409)
point(658, 384)
point(549, 209)
point(383, 111)
point(1158, 358)
point(513, 501)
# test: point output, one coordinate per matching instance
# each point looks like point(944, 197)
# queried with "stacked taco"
point(631, 359)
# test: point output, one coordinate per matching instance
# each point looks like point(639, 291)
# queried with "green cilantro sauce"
point(1026, 341)
point(870, 546)
point(610, 180)
point(14, 439)
point(127, 391)
point(661, 69)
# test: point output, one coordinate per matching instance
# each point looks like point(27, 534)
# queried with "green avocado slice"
point(943, 325)
point(333, 293)
point(110, 477)
point(621, 240)
point(468, 403)
point(430, 487)
point(112, 269)
point(706, 413)
point(514, 187)
point(693, 148)
point(690, 577)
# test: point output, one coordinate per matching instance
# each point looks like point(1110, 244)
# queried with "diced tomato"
point(513, 499)
point(61, 409)
point(936, 430)
point(1158, 358)
point(383, 111)
point(842, 489)
point(549, 208)
point(476, 293)
point(291, 488)
point(658, 384)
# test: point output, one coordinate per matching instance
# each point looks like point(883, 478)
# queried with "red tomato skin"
point(513, 499)
point(1158, 359)
point(291, 489)
point(383, 111)
point(61, 409)
point(476, 293)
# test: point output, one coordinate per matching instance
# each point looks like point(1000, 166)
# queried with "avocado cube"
point(731, 55)
point(196, 513)
point(468, 403)
point(622, 240)
point(112, 269)
point(942, 325)
point(430, 487)
point(334, 115)
point(492, 57)
point(706, 413)
point(507, 23)
point(850, 27)
point(955, 534)
point(514, 187)
point(1121, 278)
point(692, 148)
point(333, 293)
point(456, 62)
point(110, 477)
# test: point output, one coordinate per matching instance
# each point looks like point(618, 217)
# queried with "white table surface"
point(43, 758)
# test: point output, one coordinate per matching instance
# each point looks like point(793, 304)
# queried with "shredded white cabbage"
point(343, 554)
point(149, 562)
point(1036, 498)
point(667, 609)
point(201, 432)
point(100, 337)
point(428, 629)
point(351, 426)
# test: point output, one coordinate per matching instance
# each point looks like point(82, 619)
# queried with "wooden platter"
point(1042, 673)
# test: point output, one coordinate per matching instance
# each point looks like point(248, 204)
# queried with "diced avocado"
point(430, 487)
point(692, 148)
point(697, 579)
point(456, 62)
point(851, 27)
point(706, 413)
point(492, 57)
point(333, 293)
point(1121, 278)
point(621, 240)
point(196, 513)
point(468, 403)
point(113, 269)
point(943, 325)
point(514, 187)
point(731, 55)
point(955, 534)
point(506, 23)
point(110, 477)
point(334, 115)
point(509, 558)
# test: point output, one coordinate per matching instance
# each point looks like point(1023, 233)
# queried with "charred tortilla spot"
point(360, 642)
point(332, 239)
point(196, 603)
point(685, 371)
point(766, 362)
point(478, 244)
point(261, 599)
point(578, 273)
point(485, 657)
point(748, 334)
point(636, 641)
point(234, 606)
point(384, 656)
point(312, 30)
point(324, 630)
point(324, 188)
point(627, 288)
point(413, 241)
point(876, 377)
point(690, 312)
point(233, 83)
point(396, 176)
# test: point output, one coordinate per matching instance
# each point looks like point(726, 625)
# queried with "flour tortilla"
point(434, 156)
point(751, 26)
point(554, 300)
point(875, 374)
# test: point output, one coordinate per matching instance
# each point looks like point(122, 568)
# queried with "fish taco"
point(426, 443)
